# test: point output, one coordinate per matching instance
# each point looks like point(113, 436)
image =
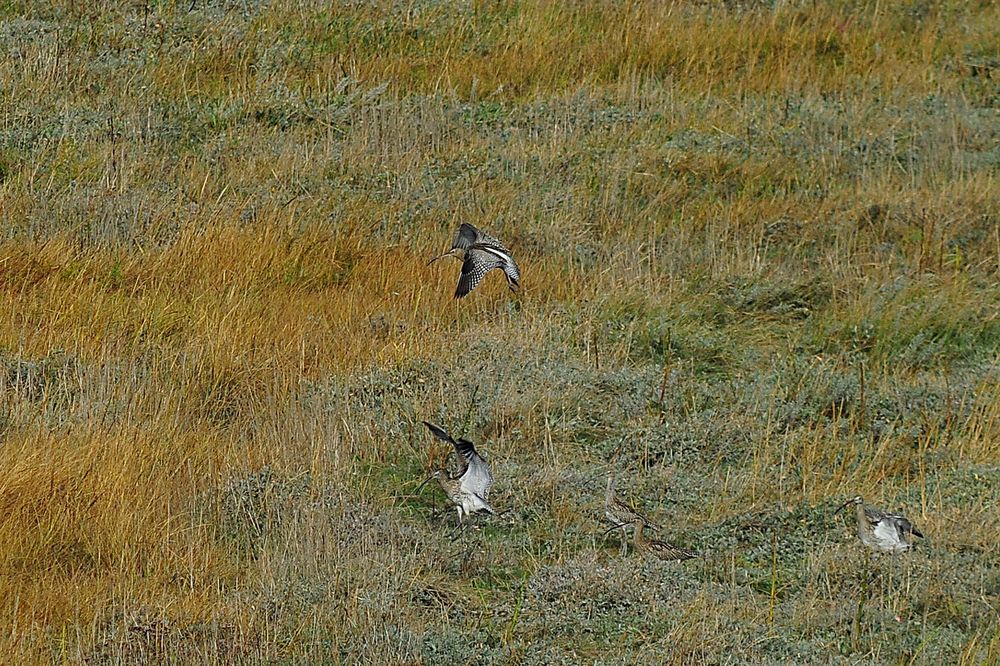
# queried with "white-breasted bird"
point(882, 531)
point(469, 487)
point(480, 253)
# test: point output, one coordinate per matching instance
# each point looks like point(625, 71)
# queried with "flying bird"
point(468, 487)
point(480, 253)
point(886, 532)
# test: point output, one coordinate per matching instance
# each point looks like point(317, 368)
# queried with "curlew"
point(885, 532)
point(621, 515)
point(480, 253)
point(659, 549)
point(468, 487)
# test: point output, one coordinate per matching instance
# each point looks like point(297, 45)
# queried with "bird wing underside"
point(475, 267)
point(512, 271)
point(477, 478)
point(887, 531)
point(499, 252)
point(485, 504)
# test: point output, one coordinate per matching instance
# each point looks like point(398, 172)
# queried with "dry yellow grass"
point(761, 257)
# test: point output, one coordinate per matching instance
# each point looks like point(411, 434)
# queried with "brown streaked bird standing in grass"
point(885, 532)
point(659, 549)
point(469, 487)
point(620, 514)
point(480, 253)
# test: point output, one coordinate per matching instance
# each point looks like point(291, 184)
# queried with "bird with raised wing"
point(658, 549)
point(469, 486)
point(480, 253)
point(886, 532)
point(620, 514)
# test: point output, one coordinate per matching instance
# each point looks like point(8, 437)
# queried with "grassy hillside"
point(760, 244)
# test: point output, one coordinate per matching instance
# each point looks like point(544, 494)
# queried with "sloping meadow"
point(760, 252)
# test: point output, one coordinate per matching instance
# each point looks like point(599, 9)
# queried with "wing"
point(458, 464)
point(874, 515)
point(513, 272)
point(491, 241)
point(455, 465)
point(439, 432)
point(477, 479)
point(887, 532)
point(904, 526)
point(475, 267)
point(665, 551)
point(466, 236)
point(627, 514)
point(486, 505)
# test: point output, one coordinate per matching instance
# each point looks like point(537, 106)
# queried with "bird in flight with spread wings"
point(480, 253)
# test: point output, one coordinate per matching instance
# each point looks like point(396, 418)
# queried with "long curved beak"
point(423, 483)
point(843, 506)
point(440, 256)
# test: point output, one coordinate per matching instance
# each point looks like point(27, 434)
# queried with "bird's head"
point(436, 474)
point(854, 500)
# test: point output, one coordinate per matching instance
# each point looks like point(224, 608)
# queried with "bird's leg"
point(886, 586)
point(457, 530)
point(862, 598)
point(456, 533)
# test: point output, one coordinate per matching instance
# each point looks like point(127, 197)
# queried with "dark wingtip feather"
point(439, 432)
point(467, 448)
